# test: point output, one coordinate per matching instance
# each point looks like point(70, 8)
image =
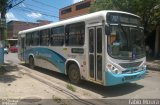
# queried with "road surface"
point(147, 88)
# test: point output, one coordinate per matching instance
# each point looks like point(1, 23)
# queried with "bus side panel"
point(46, 58)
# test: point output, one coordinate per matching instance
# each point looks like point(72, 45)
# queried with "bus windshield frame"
point(125, 39)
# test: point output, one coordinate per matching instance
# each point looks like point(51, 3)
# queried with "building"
point(76, 9)
point(13, 27)
point(82, 8)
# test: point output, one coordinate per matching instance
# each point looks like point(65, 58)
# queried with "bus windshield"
point(126, 42)
point(125, 37)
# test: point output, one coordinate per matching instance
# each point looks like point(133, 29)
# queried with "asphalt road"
point(147, 88)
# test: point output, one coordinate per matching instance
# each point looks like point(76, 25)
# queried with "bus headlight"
point(143, 67)
point(113, 69)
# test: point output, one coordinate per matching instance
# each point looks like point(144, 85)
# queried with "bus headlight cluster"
point(113, 69)
point(143, 67)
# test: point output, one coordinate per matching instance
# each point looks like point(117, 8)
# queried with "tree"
point(3, 9)
point(2, 6)
point(148, 10)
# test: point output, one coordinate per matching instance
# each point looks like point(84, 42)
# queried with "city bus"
point(105, 47)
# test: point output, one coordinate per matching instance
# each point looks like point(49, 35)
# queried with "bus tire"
point(31, 62)
point(74, 74)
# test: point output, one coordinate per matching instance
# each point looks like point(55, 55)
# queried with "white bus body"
point(83, 48)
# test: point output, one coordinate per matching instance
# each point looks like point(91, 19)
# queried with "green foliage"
point(57, 99)
point(2, 13)
point(2, 4)
point(101, 5)
point(148, 10)
point(70, 87)
point(5, 34)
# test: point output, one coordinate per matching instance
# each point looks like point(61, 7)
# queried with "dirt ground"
point(20, 85)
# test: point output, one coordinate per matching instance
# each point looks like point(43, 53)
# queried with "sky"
point(33, 10)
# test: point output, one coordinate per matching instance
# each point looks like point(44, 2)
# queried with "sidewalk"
point(153, 64)
point(17, 88)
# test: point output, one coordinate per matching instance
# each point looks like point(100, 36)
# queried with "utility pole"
point(2, 31)
point(5, 7)
point(3, 23)
point(8, 4)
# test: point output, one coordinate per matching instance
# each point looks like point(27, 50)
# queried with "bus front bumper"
point(115, 79)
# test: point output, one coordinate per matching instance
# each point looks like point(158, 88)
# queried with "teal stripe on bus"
point(48, 55)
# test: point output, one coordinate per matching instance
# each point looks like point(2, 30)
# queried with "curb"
point(153, 69)
point(153, 66)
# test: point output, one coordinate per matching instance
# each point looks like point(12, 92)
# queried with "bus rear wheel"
point(31, 63)
point(74, 74)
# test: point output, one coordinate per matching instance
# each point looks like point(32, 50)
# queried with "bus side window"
point(74, 34)
point(35, 38)
point(22, 42)
point(51, 41)
point(57, 36)
point(44, 37)
point(28, 39)
point(31, 42)
point(67, 35)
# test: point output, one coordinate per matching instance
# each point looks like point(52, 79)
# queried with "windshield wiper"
point(125, 34)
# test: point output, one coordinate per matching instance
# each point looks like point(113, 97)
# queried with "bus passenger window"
point(28, 39)
point(75, 34)
point(44, 37)
point(35, 38)
point(66, 35)
point(51, 41)
point(31, 42)
point(57, 36)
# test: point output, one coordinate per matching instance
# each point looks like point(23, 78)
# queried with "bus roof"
point(75, 19)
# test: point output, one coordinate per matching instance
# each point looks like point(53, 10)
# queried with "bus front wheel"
point(74, 74)
point(31, 62)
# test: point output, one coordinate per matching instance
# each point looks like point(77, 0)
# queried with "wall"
point(13, 27)
point(74, 12)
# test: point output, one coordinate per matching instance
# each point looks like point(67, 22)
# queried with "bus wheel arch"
point(31, 62)
point(73, 72)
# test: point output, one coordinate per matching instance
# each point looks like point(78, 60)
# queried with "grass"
point(2, 70)
point(57, 99)
point(71, 87)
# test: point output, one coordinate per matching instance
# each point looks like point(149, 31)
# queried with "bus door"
point(95, 53)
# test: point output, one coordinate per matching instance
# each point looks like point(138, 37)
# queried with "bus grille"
point(131, 71)
point(128, 65)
